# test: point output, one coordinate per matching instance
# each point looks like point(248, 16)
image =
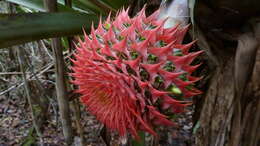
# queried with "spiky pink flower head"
point(130, 71)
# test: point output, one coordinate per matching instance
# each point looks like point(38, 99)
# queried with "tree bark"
point(229, 33)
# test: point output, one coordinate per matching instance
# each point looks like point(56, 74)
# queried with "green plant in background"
point(21, 28)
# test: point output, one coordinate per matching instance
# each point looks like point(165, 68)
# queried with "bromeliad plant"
point(133, 72)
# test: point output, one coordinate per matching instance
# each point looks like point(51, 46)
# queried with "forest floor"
point(16, 127)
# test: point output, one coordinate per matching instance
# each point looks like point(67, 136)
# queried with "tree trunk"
point(61, 88)
point(229, 32)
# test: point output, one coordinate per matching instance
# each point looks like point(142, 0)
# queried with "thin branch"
point(32, 76)
point(12, 73)
point(61, 89)
point(28, 93)
point(11, 88)
point(46, 49)
point(75, 104)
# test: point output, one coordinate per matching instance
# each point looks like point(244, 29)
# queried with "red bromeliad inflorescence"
point(131, 72)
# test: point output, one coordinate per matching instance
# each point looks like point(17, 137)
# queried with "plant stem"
point(28, 93)
point(61, 89)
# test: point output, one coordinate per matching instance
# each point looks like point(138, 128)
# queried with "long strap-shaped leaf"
point(37, 5)
point(82, 5)
point(21, 28)
point(116, 4)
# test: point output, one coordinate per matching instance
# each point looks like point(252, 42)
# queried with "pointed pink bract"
point(125, 70)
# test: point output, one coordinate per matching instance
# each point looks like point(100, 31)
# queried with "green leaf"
point(80, 5)
point(196, 127)
point(141, 142)
point(38, 5)
point(191, 6)
point(116, 4)
point(85, 5)
point(21, 28)
point(30, 139)
point(175, 90)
